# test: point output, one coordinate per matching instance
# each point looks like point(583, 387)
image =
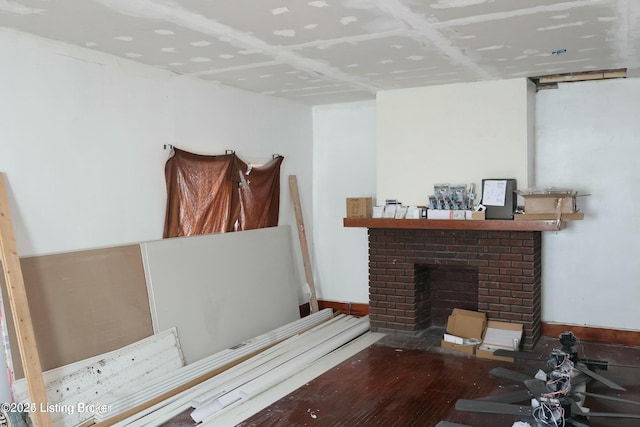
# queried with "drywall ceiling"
point(330, 51)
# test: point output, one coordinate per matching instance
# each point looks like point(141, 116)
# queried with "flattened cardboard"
point(499, 335)
point(549, 216)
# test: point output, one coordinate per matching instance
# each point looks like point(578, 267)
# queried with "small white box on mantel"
point(446, 214)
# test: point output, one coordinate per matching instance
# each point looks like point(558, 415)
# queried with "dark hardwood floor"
point(410, 381)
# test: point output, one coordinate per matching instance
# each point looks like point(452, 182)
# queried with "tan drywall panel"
point(83, 304)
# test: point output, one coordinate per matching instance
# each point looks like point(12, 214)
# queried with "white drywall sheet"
point(221, 289)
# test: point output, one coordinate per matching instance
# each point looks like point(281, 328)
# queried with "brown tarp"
point(199, 194)
point(259, 194)
point(208, 194)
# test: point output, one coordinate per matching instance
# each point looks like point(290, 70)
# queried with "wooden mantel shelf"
point(447, 224)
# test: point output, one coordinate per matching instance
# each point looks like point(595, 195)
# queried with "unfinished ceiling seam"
point(170, 11)
point(422, 30)
point(620, 37)
point(345, 50)
point(325, 43)
point(496, 16)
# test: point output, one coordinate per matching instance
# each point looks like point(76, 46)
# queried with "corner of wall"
point(531, 133)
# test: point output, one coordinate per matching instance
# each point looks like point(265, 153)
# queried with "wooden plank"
point(20, 311)
point(452, 224)
point(302, 235)
point(589, 75)
point(616, 74)
point(572, 78)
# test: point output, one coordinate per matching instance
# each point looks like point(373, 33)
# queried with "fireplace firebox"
point(416, 276)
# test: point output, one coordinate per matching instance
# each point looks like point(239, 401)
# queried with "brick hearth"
point(508, 267)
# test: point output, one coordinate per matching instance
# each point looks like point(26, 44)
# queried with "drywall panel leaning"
point(221, 289)
point(83, 303)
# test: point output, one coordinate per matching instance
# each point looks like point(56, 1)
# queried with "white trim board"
point(248, 408)
point(88, 381)
point(145, 392)
point(221, 289)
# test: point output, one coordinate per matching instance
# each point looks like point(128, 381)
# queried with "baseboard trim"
point(583, 333)
point(591, 334)
point(352, 308)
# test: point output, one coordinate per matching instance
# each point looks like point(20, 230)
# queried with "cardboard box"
point(499, 335)
point(537, 217)
point(549, 203)
point(477, 215)
point(359, 207)
point(464, 324)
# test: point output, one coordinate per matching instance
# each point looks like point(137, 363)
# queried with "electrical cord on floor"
point(549, 414)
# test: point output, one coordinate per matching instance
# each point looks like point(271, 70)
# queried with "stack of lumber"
point(147, 383)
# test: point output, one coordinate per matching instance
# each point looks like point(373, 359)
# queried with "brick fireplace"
point(496, 272)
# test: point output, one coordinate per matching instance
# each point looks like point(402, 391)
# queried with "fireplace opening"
point(446, 288)
point(417, 277)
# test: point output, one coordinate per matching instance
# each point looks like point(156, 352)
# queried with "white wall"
point(457, 134)
point(344, 158)
point(83, 134)
point(587, 138)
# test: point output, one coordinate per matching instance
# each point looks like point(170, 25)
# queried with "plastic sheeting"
point(209, 194)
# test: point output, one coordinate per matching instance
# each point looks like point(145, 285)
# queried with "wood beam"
point(589, 75)
point(20, 311)
point(302, 235)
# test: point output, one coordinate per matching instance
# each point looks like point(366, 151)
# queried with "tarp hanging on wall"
point(209, 194)
point(259, 194)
